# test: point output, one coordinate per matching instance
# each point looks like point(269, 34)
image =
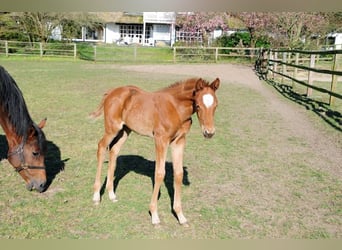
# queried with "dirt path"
point(293, 117)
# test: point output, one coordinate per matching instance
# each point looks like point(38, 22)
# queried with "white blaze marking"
point(208, 100)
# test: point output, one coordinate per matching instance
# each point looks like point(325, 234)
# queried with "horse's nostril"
point(208, 134)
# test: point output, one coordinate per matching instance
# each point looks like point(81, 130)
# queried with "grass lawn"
point(234, 185)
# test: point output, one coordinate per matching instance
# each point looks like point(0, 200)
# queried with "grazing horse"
point(164, 115)
point(26, 140)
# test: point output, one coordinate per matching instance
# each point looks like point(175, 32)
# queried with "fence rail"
point(280, 60)
point(114, 53)
point(296, 65)
point(124, 54)
point(14, 48)
point(211, 53)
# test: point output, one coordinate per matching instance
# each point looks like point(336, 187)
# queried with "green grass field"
point(248, 181)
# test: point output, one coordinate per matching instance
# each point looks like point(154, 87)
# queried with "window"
point(131, 33)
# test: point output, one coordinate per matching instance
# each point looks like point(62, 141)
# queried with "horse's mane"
point(13, 103)
point(184, 85)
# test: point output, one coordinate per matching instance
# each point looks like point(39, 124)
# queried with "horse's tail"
point(99, 110)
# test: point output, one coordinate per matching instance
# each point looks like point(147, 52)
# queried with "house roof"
point(137, 18)
point(119, 17)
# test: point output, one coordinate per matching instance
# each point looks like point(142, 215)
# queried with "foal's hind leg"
point(119, 140)
point(101, 151)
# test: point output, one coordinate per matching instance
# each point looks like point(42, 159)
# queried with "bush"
point(241, 39)
point(234, 40)
point(263, 42)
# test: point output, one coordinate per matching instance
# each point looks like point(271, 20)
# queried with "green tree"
point(37, 26)
point(9, 28)
point(297, 29)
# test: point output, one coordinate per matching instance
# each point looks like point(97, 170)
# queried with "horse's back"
point(139, 110)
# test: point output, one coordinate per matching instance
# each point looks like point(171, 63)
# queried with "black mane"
point(13, 103)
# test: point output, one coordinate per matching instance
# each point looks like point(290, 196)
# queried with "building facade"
point(144, 28)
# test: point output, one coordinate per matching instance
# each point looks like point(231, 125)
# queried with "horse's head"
point(205, 102)
point(28, 158)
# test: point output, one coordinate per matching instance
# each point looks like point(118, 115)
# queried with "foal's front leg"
point(177, 148)
point(159, 175)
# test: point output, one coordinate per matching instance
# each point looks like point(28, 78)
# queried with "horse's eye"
point(35, 154)
point(198, 107)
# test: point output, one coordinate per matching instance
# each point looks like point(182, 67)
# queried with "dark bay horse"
point(164, 115)
point(26, 140)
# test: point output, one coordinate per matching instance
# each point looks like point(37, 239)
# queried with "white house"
point(145, 28)
point(159, 27)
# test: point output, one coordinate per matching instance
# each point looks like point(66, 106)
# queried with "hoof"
point(114, 200)
point(181, 219)
point(96, 198)
point(155, 222)
point(155, 219)
point(112, 197)
point(185, 224)
point(156, 226)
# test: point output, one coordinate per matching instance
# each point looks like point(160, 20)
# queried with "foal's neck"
point(183, 93)
point(182, 90)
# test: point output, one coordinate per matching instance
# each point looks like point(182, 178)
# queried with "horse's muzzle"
point(39, 186)
point(208, 134)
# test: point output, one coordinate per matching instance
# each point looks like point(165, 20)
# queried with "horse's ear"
point(31, 132)
point(215, 84)
point(42, 123)
point(199, 84)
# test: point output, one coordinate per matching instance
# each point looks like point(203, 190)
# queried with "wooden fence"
point(110, 53)
point(179, 54)
point(215, 54)
point(15, 48)
point(299, 66)
point(127, 54)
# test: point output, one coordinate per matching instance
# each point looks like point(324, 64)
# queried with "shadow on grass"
point(3, 147)
point(137, 164)
point(322, 109)
point(53, 162)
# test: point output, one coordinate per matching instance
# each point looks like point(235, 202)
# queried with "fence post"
point(94, 53)
point(41, 49)
point(283, 66)
point(6, 48)
point(333, 78)
point(174, 54)
point(275, 65)
point(310, 80)
point(75, 51)
point(295, 70)
point(270, 57)
point(216, 54)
